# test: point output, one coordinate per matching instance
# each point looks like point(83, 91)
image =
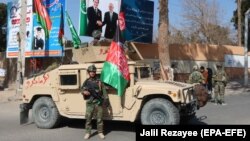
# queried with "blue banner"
point(48, 47)
point(139, 17)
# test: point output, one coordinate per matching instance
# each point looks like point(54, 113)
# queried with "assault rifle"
point(95, 95)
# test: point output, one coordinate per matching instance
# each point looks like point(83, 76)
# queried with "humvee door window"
point(68, 79)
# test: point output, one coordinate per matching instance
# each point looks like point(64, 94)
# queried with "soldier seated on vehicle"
point(96, 35)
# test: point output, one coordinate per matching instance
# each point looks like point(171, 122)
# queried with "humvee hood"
point(165, 84)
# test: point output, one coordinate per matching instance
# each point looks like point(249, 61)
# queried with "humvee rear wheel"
point(159, 111)
point(45, 113)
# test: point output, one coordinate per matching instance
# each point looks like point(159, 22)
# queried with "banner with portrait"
point(48, 45)
point(37, 44)
point(139, 18)
point(103, 6)
point(13, 26)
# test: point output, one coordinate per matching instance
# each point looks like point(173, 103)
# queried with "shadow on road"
point(124, 125)
point(194, 121)
point(108, 125)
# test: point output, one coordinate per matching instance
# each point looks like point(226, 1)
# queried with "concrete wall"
point(186, 56)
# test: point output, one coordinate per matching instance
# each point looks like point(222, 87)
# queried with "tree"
point(3, 18)
point(245, 5)
point(163, 34)
point(202, 19)
point(177, 36)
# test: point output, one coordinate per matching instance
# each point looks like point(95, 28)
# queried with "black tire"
point(45, 113)
point(160, 111)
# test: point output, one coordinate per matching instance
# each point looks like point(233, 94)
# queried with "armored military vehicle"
point(56, 93)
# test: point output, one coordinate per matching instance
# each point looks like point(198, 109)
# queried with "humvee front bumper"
point(24, 113)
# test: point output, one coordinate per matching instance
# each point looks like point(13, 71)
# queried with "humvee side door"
point(72, 101)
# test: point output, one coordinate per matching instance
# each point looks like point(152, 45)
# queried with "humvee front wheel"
point(45, 113)
point(159, 111)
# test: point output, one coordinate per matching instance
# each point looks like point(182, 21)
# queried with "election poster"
point(44, 28)
point(48, 25)
point(13, 26)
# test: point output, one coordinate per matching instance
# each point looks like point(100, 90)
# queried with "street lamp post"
point(247, 15)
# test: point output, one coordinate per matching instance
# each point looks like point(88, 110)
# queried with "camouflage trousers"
point(219, 92)
point(91, 108)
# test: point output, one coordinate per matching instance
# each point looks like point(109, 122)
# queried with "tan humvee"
point(56, 93)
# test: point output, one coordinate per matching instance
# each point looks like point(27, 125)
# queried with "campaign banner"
point(46, 38)
point(103, 6)
point(139, 18)
point(13, 26)
point(37, 44)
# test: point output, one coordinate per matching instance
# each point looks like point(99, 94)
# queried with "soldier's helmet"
point(91, 68)
point(219, 65)
point(195, 67)
point(96, 34)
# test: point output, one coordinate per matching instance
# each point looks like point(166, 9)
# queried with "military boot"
point(101, 136)
point(87, 135)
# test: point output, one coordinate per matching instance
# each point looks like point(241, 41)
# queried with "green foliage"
point(3, 18)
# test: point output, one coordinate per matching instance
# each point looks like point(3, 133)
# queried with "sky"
point(175, 11)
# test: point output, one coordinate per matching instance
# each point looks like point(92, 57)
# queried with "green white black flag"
point(75, 37)
point(83, 18)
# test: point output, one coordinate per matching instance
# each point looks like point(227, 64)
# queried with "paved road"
point(70, 130)
point(236, 112)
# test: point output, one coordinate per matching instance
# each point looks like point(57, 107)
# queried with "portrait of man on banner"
point(13, 11)
point(96, 20)
point(94, 15)
point(39, 39)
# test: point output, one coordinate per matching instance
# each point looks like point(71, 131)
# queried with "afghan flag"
point(115, 71)
point(122, 24)
point(43, 17)
point(75, 37)
point(83, 18)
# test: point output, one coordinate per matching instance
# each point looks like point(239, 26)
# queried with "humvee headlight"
point(174, 94)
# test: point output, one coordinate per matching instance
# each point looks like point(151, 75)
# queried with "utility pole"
point(21, 48)
point(247, 15)
point(239, 22)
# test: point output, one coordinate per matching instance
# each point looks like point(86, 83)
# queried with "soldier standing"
point(196, 76)
point(220, 80)
point(92, 92)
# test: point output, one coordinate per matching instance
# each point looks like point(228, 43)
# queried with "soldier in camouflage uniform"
point(196, 76)
point(219, 80)
point(90, 86)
